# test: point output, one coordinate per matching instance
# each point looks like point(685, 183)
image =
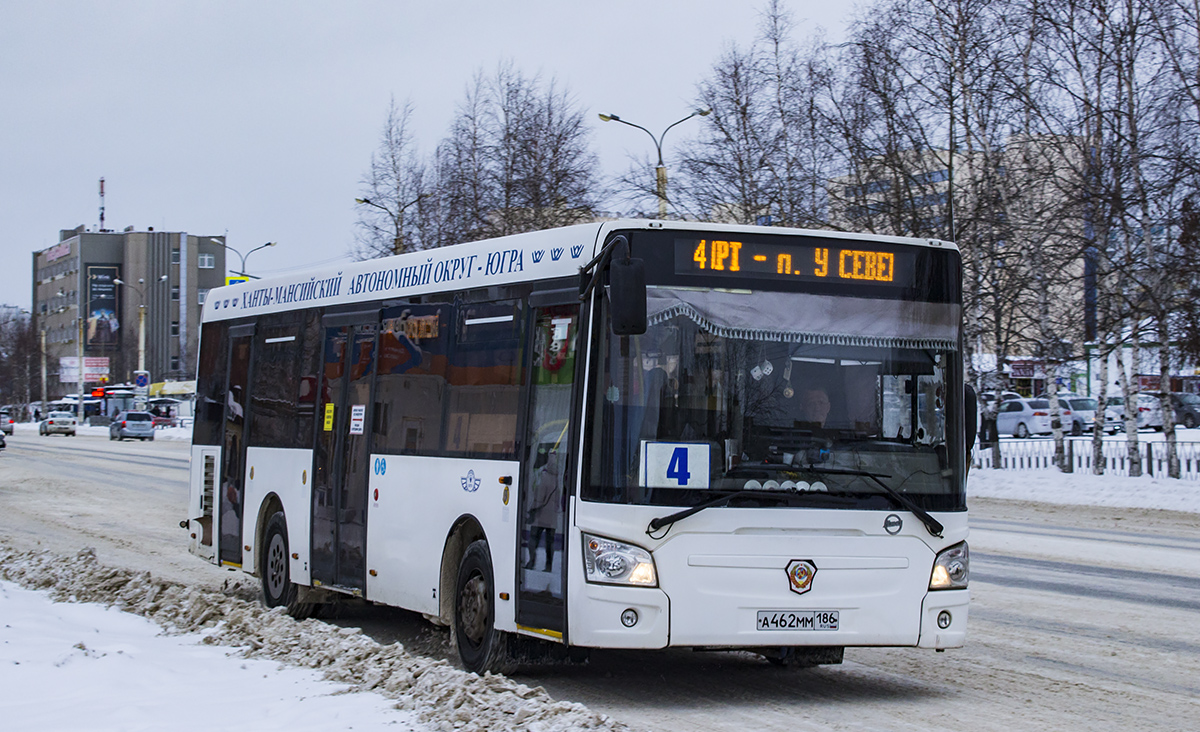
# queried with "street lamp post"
point(660, 171)
point(245, 256)
point(397, 219)
point(141, 317)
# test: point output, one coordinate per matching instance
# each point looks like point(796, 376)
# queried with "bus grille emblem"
point(800, 574)
point(470, 483)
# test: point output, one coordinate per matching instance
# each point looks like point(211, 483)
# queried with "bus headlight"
point(616, 563)
point(951, 569)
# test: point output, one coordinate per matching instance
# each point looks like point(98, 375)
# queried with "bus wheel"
point(480, 646)
point(277, 585)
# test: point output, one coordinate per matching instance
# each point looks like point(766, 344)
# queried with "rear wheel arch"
point(271, 505)
point(273, 565)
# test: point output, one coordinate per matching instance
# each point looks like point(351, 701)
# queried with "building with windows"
point(76, 295)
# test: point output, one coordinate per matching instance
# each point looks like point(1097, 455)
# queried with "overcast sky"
point(258, 119)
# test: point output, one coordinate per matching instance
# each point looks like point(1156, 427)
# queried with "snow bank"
point(1085, 489)
point(442, 696)
point(77, 666)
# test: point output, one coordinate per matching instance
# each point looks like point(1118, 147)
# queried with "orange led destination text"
point(862, 265)
point(721, 255)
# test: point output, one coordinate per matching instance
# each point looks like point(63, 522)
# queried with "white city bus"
point(630, 434)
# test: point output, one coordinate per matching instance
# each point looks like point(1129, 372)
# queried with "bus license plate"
point(804, 620)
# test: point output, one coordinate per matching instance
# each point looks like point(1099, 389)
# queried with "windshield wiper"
point(661, 521)
point(932, 525)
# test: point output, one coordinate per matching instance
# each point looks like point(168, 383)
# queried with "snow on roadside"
point(84, 666)
point(1084, 489)
point(441, 696)
point(160, 433)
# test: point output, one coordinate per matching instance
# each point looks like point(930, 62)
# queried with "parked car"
point(1186, 408)
point(989, 396)
point(6, 422)
point(1025, 417)
point(1083, 411)
point(1149, 411)
point(1074, 422)
point(58, 423)
point(134, 425)
point(3, 444)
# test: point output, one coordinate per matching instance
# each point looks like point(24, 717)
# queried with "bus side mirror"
point(627, 291)
point(627, 295)
point(970, 415)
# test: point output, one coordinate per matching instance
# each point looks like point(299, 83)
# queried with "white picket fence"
point(1039, 455)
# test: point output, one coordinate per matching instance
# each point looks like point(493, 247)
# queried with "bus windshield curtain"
point(817, 319)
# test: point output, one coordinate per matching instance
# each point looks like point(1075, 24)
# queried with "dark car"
point(138, 425)
point(1186, 408)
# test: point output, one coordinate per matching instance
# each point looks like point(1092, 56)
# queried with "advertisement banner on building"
point(95, 368)
point(103, 320)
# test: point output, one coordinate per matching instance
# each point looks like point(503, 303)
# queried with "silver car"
point(58, 423)
point(1083, 411)
point(1025, 417)
point(134, 425)
point(1149, 411)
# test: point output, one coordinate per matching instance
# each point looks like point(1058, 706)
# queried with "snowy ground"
point(154, 648)
point(86, 666)
point(215, 648)
point(162, 433)
point(1079, 489)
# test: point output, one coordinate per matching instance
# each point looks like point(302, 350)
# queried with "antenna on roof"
point(101, 204)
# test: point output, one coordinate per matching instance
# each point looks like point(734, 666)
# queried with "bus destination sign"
point(747, 259)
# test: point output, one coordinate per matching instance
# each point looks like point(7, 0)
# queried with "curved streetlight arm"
point(698, 112)
point(660, 169)
point(241, 256)
point(396, 216)
point(657, 140)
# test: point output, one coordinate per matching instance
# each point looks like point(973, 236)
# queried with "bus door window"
point(545, 470)
point(324, 511)
point(341, 456)
point(352, 499)
point(234, 449)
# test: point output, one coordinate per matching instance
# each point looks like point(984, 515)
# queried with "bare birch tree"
point(393, 186)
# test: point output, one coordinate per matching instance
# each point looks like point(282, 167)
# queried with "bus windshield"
point(769, 391)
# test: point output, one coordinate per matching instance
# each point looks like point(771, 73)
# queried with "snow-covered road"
point(1083, 606)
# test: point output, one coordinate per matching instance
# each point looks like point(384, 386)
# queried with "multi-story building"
point(1026, 290)
point(76, 292)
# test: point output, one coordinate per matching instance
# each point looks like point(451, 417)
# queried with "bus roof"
point(537, 255)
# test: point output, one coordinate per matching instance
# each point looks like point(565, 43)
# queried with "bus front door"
point(545, 471)
point(341, 454)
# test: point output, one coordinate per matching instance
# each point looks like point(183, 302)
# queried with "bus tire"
point(481, 647)
point(275, 572)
